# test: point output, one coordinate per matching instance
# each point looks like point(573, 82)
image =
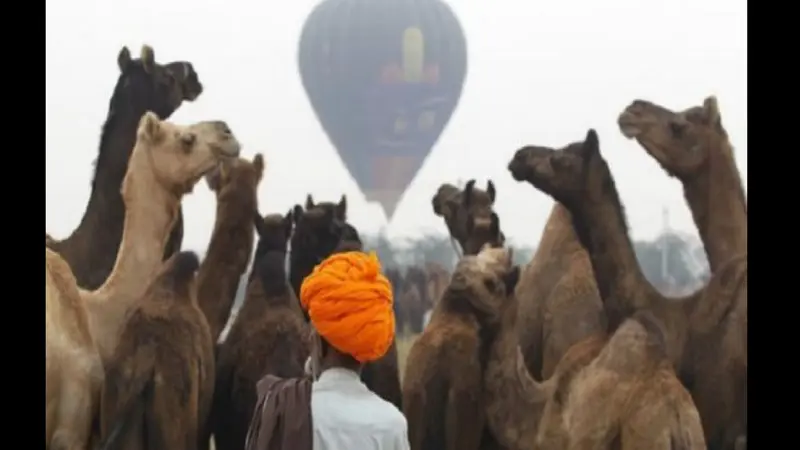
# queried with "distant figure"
point(349, 303)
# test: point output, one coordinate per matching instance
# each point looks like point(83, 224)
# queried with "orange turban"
point(349, 302)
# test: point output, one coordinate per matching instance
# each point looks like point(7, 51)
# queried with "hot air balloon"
point(383, 77)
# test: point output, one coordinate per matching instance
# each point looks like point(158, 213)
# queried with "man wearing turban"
point(349, 303)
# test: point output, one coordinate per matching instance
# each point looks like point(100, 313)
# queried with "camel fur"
point(167, 161)
point(228, 255)
point(153, 395)
point(706, 331)
point(73, 370)
point(442, 390)
point(143, 85)
point(467, 214)
point(269, 336)
point(617, 393)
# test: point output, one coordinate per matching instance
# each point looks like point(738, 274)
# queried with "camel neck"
point(151, 211)
point(716, 199)
point(602, 230)
point(514, 400)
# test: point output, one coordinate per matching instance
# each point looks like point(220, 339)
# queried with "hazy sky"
point(539, 72)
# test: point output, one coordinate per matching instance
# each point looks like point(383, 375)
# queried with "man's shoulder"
point(388, 412)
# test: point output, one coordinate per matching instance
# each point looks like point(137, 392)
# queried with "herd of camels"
point(575, 350)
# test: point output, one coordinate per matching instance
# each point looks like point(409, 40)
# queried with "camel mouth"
point(629, 125)
point(191, 93)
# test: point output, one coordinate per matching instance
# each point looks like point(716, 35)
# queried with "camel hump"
point(655, 333)
point(184, 266)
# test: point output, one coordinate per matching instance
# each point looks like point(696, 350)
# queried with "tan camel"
point(153, 395)
point(617, 393)
point(73, 370)
point(166, 162)
point(269, 336)
point(143, 85)
point(228, 254)
point(693, 146)
point(467, 215)
point(706, 331)
point(442, 383)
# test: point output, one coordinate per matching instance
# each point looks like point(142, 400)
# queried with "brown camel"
point(153, 395)
point(235, 185)
point(73, 370)
point(706, 331)
point(143, 85)
point(467, 215)
point(442, 387)
point(167, 160)
point(559, 305)
point(269, 336)
point(617, 393)
point(320, 230)
point(693, 146)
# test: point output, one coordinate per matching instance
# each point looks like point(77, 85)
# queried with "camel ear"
point(124, 59)
point(467, 199)
point(258, 221)
point(511, 278)
point(149, 128)
point(309, 202)
point(148, 58)
point(341, 208)
point(711, 110)
point(591, 145)
point(490, 190)
point(258, 164)
point(297, 213)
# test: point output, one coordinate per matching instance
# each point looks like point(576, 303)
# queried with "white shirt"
point(346, 415)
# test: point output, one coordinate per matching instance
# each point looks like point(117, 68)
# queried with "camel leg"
point(75, 413)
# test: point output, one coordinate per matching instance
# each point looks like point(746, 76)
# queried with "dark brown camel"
point(152, 397)
point(693, 146)
point(143, 85)
point(467, 215)
point(706, 331)
point(442, 390)
point(269, 336)
point(236, 187)
point(320, 230)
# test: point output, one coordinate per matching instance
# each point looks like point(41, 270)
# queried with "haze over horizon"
point(537, 74)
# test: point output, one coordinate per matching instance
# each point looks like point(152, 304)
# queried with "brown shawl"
point(282, 417)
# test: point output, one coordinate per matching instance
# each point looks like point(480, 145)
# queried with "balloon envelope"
point(383, 77)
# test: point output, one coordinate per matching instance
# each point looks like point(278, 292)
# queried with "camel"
point(693, 146)
point(320, 230)
point(228, 254)
point(269, 336)
point(73, 370)
point(467, 214)
point(442, 386)
point(618, 392)
point(153, 395)
point(706, 331)
point(166, 162)
point(143, 85)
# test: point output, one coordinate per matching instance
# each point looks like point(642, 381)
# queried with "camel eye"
point(490, 284)
point(677, 129)
point(187, 142)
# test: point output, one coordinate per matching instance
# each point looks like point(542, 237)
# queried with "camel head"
point(145, 85)
point(467, 214)
point(182, 154)
point(486, 282)
point(569, 175)
point(680, 141)
point(320, 226)
point(232, 175)
point(274, 232)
